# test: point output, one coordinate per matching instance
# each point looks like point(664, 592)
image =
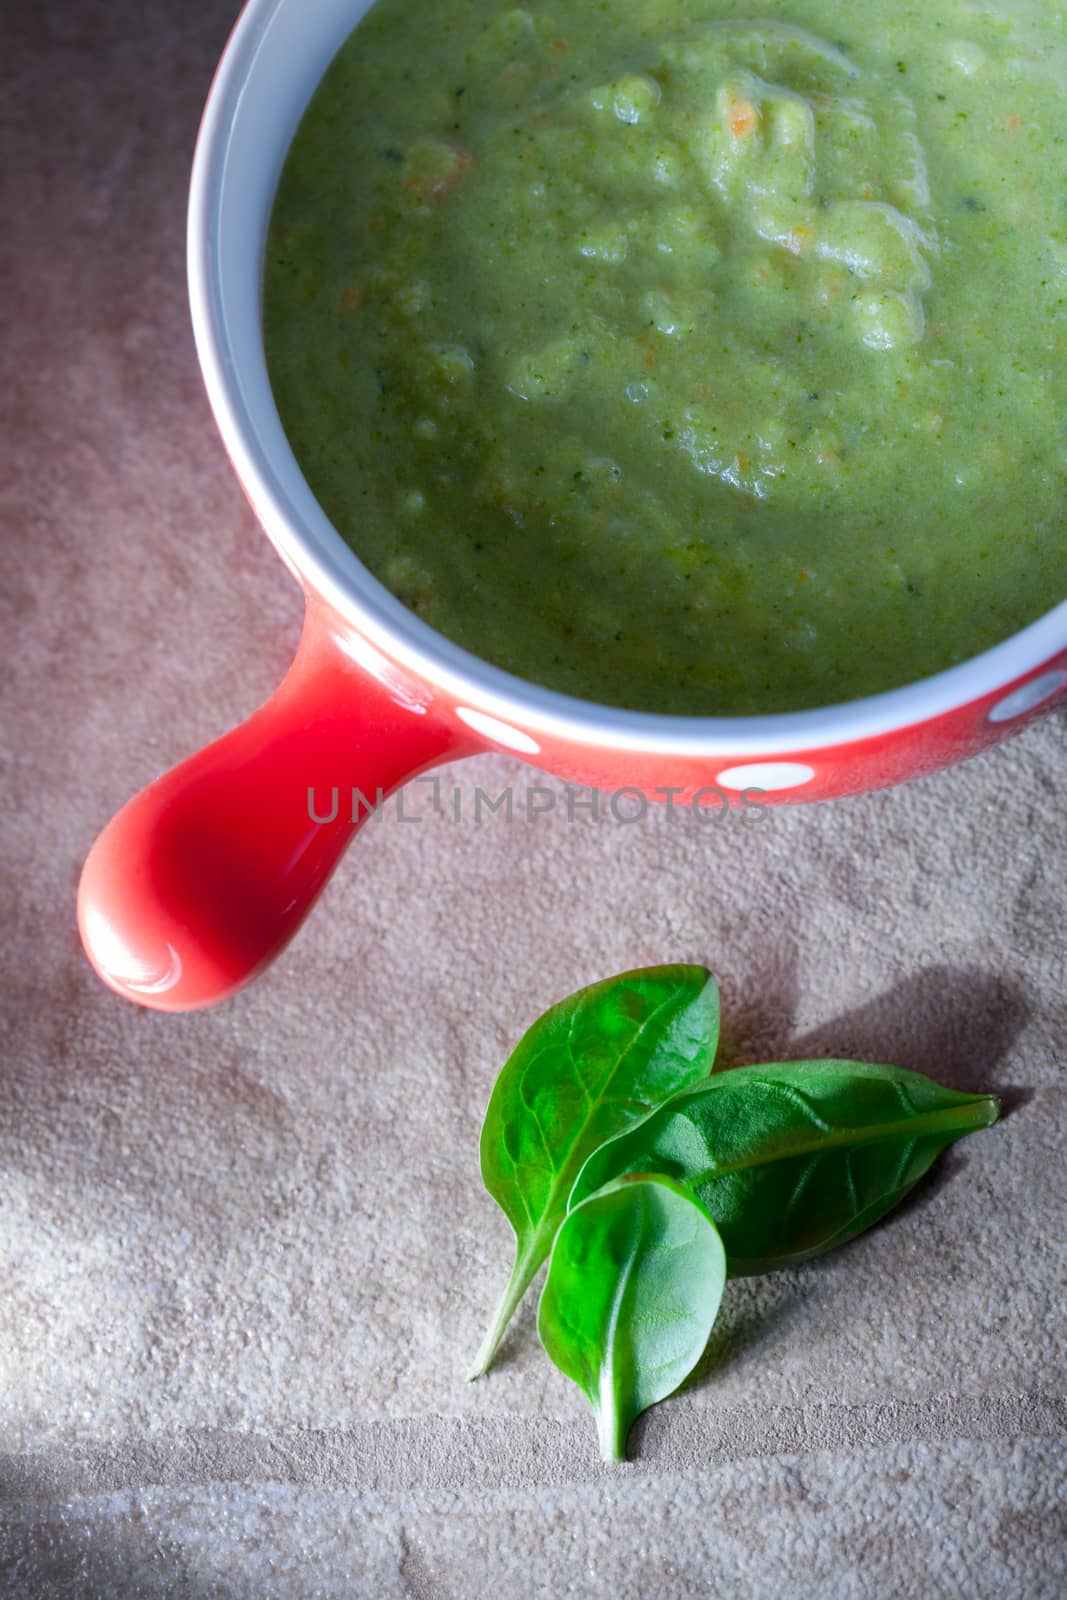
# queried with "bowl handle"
point(203, 877)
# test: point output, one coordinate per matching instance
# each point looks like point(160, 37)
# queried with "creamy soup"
point(688, 355)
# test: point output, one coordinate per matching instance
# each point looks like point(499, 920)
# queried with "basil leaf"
point(587, 1070)
point(633, 1288)
point(795, 1157)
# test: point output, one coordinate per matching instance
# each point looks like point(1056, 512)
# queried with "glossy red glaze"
point(198, 883)
point(204, 876)
point(911, 751)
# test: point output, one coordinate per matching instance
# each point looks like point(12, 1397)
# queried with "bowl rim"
point(317, 554)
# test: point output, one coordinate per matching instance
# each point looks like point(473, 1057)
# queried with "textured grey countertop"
point(245, 1255)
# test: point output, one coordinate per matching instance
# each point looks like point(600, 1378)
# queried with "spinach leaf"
point(588, 1069)
point(795, 1157)
point(633, 1288)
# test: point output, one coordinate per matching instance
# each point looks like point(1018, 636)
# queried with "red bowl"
point(203, 877)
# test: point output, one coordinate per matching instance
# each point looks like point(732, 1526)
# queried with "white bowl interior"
point(276, 56)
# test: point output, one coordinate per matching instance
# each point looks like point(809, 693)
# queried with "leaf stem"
point(526, 1264)
point(611, 1431)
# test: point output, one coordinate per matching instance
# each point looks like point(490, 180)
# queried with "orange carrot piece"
point(743, 118)
point(431, 188)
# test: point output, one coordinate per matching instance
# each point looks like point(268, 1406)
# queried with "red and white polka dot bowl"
point(202, 878)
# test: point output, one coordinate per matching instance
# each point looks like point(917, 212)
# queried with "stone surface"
point(965, 1520)
point(246, 1257)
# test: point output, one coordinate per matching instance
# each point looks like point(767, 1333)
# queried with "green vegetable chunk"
point(794, 1157)
point(633, 1288)
point(589, 1069)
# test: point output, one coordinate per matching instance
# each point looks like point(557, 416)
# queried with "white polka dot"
point(1028, 696)
point(499, 732)
point(766, 775)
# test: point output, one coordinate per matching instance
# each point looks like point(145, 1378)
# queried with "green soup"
point(685, 359)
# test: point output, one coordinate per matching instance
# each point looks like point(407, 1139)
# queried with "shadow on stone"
point(953, 1023)
point(74, 1549)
